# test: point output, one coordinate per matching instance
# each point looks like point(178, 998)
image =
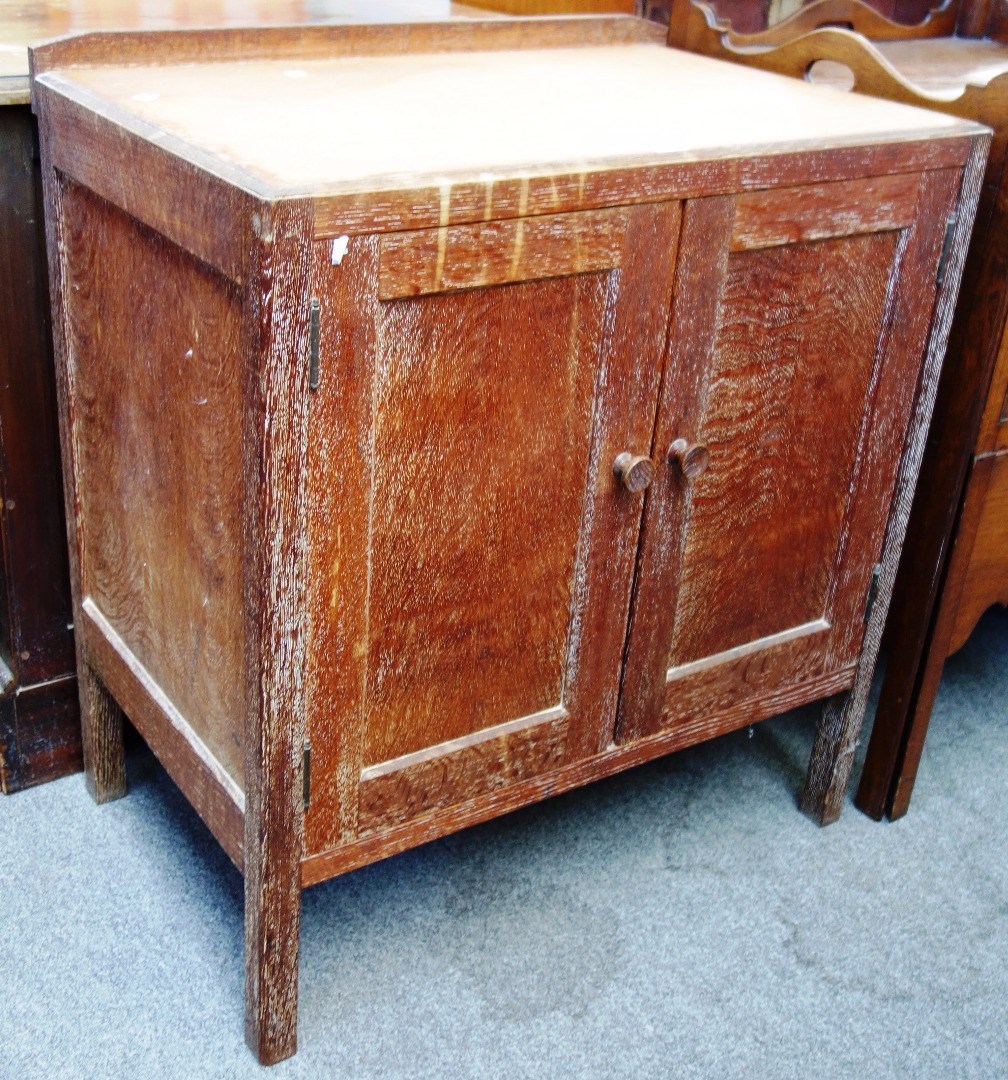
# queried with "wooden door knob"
point(692, 460)
point(634, 472)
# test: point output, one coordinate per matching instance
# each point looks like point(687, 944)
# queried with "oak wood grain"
point(101, 720)
point(464, 443)
point(824, 211)
point(274, 408)
point(209, 787)
point(435, 551)
point(419, 263)
point(461, 769)
point(788, 333)
point(836, 738)
point(323, 865)
point(153, 337)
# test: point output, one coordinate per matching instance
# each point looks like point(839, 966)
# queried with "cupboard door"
point(472, 550)
point(799, 325)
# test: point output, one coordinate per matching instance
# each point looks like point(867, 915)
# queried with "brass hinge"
point(307, 774)
point(953, 220)
point(872, 591)
point(315, 315)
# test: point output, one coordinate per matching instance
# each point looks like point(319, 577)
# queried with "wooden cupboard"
point(486, 441)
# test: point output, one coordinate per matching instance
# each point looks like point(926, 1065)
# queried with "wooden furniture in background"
point(752, 16)
point(39, 721)
point(532, 482)
point(955, 564)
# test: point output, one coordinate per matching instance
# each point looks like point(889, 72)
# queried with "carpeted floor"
point(681, 920)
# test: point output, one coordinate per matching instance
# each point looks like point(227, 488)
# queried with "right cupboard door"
point(798, 330)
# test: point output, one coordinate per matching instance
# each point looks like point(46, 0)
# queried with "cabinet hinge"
point(315, 316)
point(872, 591)
point(950, 225)
point(306, 773)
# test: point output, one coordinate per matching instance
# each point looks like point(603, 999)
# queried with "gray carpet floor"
point(680, 920)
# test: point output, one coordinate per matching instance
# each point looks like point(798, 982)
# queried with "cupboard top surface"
point(352, 122)
point(25, 24)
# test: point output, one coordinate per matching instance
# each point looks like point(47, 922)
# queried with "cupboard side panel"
point(154, 338)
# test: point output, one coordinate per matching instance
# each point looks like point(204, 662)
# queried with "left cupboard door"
point(471, 539)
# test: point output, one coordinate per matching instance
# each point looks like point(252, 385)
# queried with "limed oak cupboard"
point(437, 440)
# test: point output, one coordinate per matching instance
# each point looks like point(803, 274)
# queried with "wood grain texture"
point(101, 721)
point(323, 865)
point(963, 70)
point(179, 199)
point(461, 769)
point(481, 439)
point(275, 436)
point(495, 577)
point(706, 228)
point(418, 263)
point(154, 340)
point(207, 785)
point(836, 738)
point(435, 555)
point(785, 335)
point(565, 190)
point(824, 211)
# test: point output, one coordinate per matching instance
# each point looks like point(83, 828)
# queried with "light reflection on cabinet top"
point(325, 118)
point(25, 24)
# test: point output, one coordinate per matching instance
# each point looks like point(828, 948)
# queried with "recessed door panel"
point(789, 375)
point(482, 431)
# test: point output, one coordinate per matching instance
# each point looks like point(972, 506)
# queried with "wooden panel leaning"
point(416, 478)
point(955, 563)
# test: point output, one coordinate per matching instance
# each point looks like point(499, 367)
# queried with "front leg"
point(272, 926)
point(833, 755)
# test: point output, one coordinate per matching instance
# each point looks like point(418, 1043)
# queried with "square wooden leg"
point(272, 927)
point(833, 756)
point(102, 737)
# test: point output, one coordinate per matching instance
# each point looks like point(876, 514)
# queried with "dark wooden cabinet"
point(418, 477)
point(39, 722)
